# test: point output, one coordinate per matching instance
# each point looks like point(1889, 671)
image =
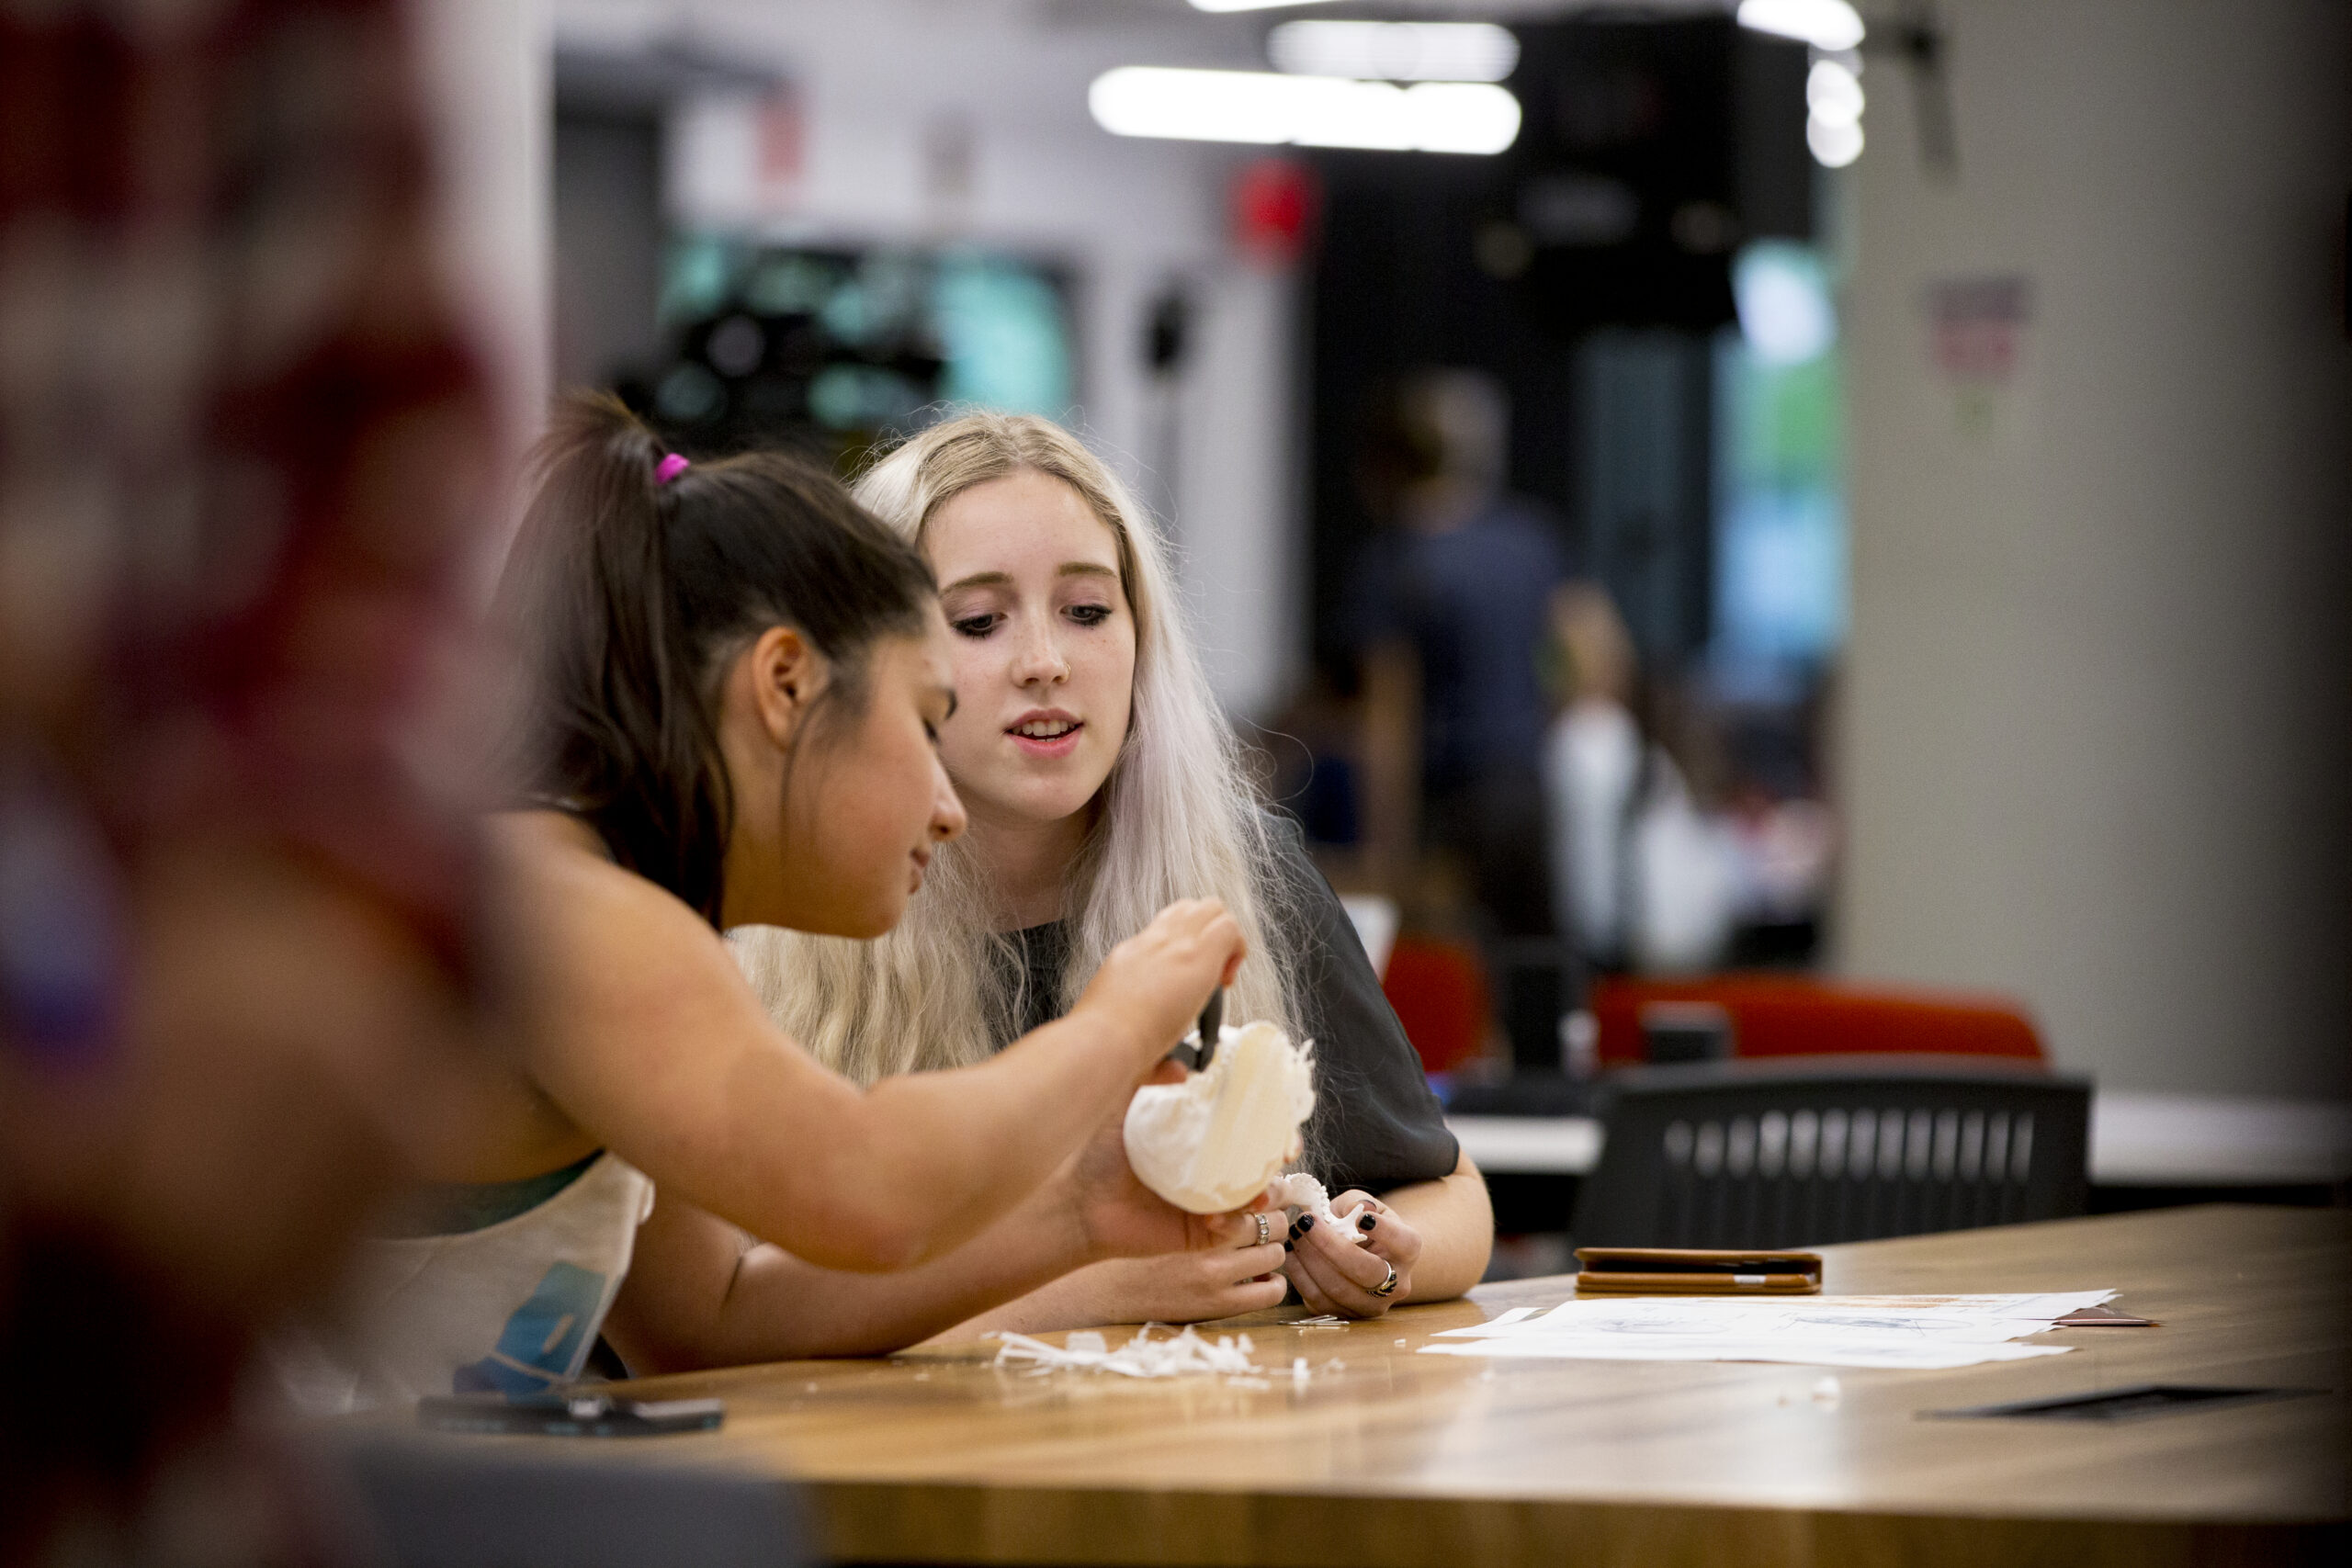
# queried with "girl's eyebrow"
point(1004, 579)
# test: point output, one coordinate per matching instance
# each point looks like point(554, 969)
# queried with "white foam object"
point(1211, 1143)
point(1302, 1194)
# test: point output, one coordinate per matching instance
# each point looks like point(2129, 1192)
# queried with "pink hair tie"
point(669, 468)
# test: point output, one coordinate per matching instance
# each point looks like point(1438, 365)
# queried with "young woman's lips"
point(1060, 745)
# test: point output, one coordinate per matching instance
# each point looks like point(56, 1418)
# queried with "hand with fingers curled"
point(1234, 1273)
point(1152, 985)
point(1353, 1277)
point(1118, 1217)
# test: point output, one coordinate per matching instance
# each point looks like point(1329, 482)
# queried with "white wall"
point(2094, 735)
point(1240, 483)
point(877, 79)
point(487, 70)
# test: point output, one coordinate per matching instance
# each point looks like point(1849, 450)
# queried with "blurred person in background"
point(238, 971)
point(1449, 612)
point(1641, 874)
point(1449, 616)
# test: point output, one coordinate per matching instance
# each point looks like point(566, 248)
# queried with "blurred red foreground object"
point(246, 455)
point(1776, 1016)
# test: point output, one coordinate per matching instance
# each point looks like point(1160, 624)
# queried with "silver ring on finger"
point(1388, 1287)
point(1265, 1231)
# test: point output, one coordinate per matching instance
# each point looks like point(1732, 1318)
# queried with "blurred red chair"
point(1781, 1016)
point(1439, 989)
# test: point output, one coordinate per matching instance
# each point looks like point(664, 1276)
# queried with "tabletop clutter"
point(1915, 1332)
point(1215, 1444)
point(1220, 1137)
point(1919, 1333)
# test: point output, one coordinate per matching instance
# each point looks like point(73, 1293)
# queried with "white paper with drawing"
point(1917, 1332)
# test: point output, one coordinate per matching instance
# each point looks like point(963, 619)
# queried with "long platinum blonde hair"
point(1175, 819)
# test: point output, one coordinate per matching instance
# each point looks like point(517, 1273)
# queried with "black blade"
point(1212, 1019)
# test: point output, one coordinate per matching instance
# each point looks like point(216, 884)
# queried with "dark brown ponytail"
point(630, 593)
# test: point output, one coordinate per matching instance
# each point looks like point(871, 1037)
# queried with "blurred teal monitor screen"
point(838, 347)
point(1003, 332)
point(1779, 469)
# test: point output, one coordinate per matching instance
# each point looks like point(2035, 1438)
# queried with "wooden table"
point(1401, 1458)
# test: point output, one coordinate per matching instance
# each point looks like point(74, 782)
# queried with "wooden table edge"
point(877, 1522)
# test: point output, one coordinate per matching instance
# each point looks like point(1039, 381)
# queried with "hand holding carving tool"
point(1198, 1048)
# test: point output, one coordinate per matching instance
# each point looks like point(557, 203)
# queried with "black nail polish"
point(1288, 1247)
point(1367, 1222)
point(1306, 1223)
point(1295, 1224)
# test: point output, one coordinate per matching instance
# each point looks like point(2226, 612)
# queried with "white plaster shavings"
point(1178, 1355)
point(1142, 1356)
point(1304, 1195)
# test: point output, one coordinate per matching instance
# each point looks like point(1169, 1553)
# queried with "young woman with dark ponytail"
point(735, 682)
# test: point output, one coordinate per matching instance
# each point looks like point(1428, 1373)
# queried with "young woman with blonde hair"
point(1102, 781)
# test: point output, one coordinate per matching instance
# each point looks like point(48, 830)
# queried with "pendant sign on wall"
point(1977, 346)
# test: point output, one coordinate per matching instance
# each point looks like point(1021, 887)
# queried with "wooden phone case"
point(1696, 1271)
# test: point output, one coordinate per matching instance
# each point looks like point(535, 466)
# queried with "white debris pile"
point(1210, 1143)
point(1142, 1356)
point(1302, 1194)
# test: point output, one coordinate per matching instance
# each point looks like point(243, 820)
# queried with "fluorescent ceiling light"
point(1834, 145)
point(1830, 25)
point(1249, 5)
point(1832, 93)
point(1394, 51)
point(1306, 111)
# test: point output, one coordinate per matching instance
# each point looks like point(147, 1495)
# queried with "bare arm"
point(644, 1032)
point(1182, 1287)
point(1456, 1220)
point(700, 1293)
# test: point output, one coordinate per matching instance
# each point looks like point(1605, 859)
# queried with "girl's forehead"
point(1020, 521)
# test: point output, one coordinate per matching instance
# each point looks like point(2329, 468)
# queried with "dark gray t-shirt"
point(1376, 1126)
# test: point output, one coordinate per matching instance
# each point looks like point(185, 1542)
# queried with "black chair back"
point(1808, 1151)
